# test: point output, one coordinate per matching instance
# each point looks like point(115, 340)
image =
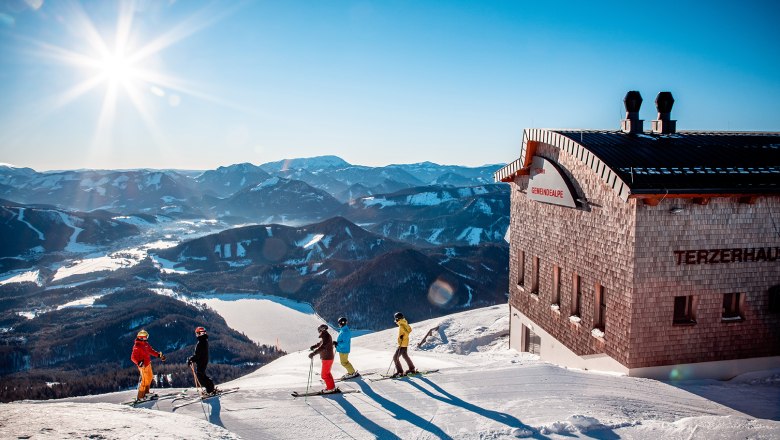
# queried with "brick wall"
point(596, 242)
point(724, 223)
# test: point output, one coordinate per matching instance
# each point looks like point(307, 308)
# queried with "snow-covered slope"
point(483, 391)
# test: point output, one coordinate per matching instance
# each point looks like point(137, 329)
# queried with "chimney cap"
point(633, 101)
point(664, 102)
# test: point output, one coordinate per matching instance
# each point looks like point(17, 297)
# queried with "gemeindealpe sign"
point(548, 184)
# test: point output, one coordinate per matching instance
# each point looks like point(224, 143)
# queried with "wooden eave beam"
point(703, 198)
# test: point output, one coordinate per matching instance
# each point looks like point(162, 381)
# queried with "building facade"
point(654, 254)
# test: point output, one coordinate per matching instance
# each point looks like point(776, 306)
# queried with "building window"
point(601, 307)
point(532, 343)
point(774, 299)
point(521, 269)
point(556, 285)
point(684, 310)
point(732, 306)
point(535, 277)
point(576, 295)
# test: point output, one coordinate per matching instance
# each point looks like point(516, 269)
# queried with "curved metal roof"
point(687, 162)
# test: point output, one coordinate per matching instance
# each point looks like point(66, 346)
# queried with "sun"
point(125, 65)
point(117, 69)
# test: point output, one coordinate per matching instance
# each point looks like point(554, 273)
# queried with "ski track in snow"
point(21, 219)
point(483, 391)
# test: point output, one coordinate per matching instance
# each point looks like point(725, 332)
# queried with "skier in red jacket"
point(142, 358)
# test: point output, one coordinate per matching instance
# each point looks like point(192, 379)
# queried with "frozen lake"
point(268, 319)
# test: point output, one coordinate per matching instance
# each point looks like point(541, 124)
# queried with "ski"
point(353, 377)
point(153, 398)
point(205, 398)
point(320, 393)
point(419, 373)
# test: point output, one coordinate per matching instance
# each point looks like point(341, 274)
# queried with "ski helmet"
point(200, 330)
point(398, 315)
point(142, 335)
point(342, 321)
point(322, 327)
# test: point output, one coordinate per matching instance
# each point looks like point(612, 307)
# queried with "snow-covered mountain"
point(225, 181)
point(434, 215)
point(335, 238)
point(317, 163)
point(186, 194)
point(118, 191)
point(481, 391)
point(26, 230)
point(281, 200)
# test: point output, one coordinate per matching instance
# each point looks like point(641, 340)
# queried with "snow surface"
point(31, 276)
point(483, 391)
point(47, 420)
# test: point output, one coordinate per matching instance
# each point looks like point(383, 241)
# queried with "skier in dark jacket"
point(325, 350)
point(201, 359)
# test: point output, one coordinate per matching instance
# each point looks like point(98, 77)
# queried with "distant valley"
point(348, 240)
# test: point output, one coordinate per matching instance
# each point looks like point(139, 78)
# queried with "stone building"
point(651, 253)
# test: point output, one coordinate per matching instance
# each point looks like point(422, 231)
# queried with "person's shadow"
point(215, 407)
point(506, 419)
point(366, 423)
point(401, 413)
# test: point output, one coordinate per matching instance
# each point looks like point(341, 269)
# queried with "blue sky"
point(203, 84)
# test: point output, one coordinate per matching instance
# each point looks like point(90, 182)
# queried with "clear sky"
point(195, 85)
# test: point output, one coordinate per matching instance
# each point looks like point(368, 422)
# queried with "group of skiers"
point(143, 353)
point(142, 358)
point(342, 345)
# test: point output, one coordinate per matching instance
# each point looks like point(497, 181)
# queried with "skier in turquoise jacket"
point(343, 344)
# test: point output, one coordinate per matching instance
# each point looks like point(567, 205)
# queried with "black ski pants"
point(204, 380)
point(401, 351)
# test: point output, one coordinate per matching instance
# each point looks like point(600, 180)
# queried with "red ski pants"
point(325, 374)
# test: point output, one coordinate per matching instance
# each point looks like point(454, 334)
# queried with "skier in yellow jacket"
point(403, 343)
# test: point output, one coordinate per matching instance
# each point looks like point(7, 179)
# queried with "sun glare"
point(126, 66)
point(117, 69)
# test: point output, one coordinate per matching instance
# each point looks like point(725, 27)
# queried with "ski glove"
point(162, 357)
point(140, 364)
point(313, 347)
point(311, 355)
point(335, 344)
point(189, 360)
point(401, 337)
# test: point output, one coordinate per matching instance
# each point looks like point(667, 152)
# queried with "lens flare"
point(290, 281)
point(440, 293)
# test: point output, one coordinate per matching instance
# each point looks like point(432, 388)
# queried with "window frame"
point(556, 285)
point(600, 307)
point(576, 295)
point(521, 269)
point(535, 276)
point(773, 300)
point(735, 303)
point(688, 315)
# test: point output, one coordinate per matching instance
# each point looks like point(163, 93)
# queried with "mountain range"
point(366, 241)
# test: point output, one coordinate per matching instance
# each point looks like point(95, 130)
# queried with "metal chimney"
point(664, 124)
point(632, 123)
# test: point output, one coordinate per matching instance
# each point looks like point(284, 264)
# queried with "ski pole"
point(389, 366)
point(308, 382)
point(197, 382)
point(197, 385)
